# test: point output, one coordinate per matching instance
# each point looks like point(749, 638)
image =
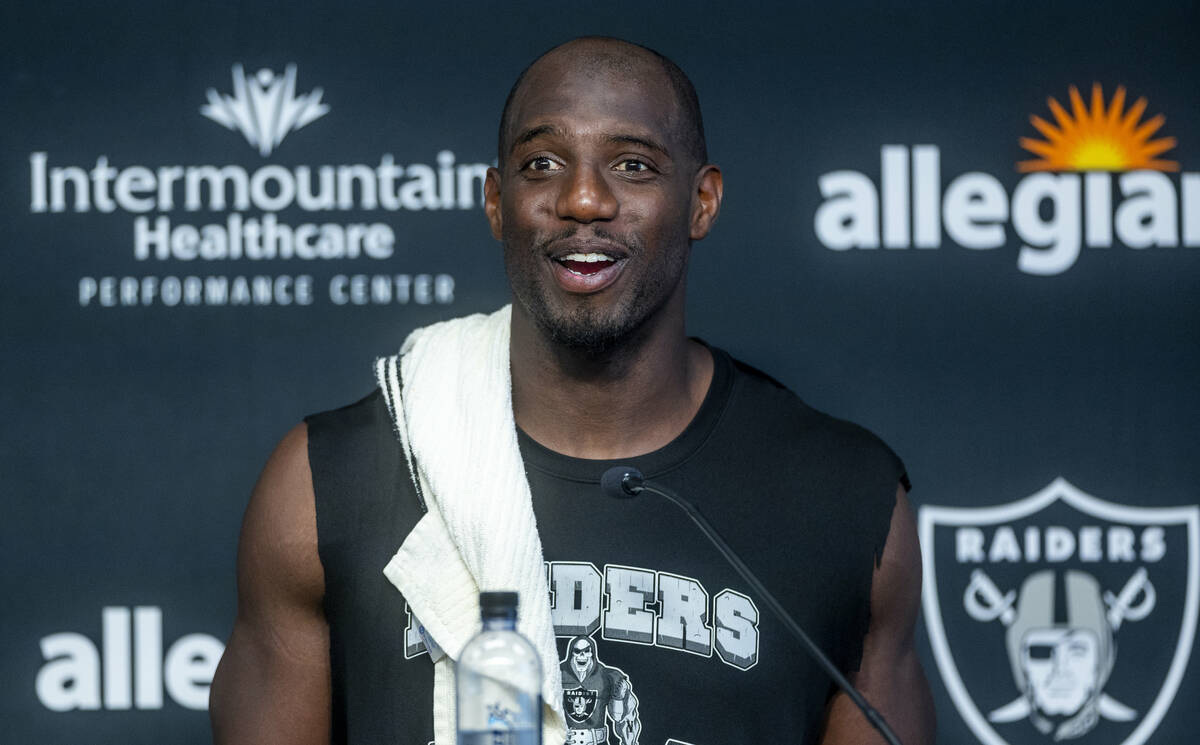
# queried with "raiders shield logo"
point(579, 703)
point(1027, 604)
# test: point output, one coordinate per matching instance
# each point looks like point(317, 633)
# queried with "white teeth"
point(589, 258)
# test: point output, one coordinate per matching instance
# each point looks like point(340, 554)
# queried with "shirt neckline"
point(654, 463)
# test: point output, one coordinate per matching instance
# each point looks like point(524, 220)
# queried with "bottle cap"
point(492, 604)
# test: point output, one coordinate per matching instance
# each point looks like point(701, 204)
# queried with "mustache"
point(631, 245)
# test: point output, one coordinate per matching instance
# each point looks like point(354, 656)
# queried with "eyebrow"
point(534, 133)
point(645, 142)
point(549, 130)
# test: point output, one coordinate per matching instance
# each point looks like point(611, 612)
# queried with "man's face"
point(594, 201)
point(1062, 667)
point(581, 654)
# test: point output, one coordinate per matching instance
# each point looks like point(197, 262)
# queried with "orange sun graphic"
point(1098, 139)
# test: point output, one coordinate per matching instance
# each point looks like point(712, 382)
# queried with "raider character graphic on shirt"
point(592, 692)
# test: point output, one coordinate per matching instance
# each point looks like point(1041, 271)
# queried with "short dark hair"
point(690, 125)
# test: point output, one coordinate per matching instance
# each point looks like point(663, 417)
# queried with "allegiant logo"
point(1065, 202)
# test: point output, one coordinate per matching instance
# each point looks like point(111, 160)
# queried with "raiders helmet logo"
point(579, 704)
point(1027, 604)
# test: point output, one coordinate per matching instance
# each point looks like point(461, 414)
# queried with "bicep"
point(272, 685)
point(890, 675)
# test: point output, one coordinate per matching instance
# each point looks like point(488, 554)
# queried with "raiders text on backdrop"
point(1057, 543)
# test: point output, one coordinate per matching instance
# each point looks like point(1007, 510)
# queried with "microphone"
point(626, 482)
point(622, 482)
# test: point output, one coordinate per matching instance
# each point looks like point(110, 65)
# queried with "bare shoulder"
point(896, 586)
point(890, 675)
point(279, 531)
point(272, 685)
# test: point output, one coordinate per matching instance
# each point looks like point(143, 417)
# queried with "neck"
point(628, 401)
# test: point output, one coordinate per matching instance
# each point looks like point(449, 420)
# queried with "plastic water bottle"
point(499, 680)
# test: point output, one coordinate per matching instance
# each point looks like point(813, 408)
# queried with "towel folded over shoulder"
point(449, 392)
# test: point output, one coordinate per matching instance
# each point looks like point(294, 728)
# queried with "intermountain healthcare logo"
point(1026, 602)
point(261, 213)
point(264, 107)
point(1065, 202)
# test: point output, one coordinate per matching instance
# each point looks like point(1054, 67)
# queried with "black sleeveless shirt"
point(659, 638)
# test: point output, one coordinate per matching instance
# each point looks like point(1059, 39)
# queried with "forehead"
point(592, 97)
point(582, 646)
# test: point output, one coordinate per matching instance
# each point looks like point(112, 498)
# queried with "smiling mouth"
point(587, 269)
point(585, 264)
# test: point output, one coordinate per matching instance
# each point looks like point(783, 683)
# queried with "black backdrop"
point(137, 416)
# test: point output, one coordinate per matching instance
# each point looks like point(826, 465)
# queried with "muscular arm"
point(623, 708)
point(890, 675)
point(272, 685)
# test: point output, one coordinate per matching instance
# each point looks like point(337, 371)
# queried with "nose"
point(1058, 663)
point(586, 196)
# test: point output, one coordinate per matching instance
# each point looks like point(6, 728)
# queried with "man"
point(594, 693)
point(602, 186)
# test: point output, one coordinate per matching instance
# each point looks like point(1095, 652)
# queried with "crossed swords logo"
point(985, 602)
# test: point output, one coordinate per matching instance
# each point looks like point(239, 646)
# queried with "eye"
point(633, 165)
point(542, 163)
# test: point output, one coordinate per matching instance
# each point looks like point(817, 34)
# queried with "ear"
point(706, 200)
point(491, 202)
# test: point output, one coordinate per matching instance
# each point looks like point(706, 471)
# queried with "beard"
point(588, 330)
point(591, 325)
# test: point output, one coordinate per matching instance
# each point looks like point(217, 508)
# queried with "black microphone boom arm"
point(625, 482)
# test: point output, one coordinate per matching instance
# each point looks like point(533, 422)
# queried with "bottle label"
point(524, 736)
point(436, 653)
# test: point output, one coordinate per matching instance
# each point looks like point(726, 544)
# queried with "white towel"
point(450, 395)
